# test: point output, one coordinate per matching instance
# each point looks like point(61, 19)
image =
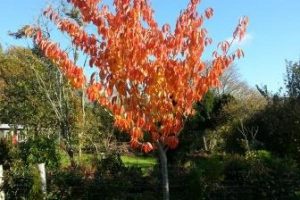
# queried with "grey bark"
point(164, 171)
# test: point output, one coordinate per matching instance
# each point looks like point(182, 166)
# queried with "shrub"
point(40, 149)
point(258, 175)
point(205, 177)
point(5, 157)
point(22, 182)
point(66, 183)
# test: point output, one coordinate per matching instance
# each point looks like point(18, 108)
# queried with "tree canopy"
point(149, 76)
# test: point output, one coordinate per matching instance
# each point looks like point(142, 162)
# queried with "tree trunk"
point(70, 152)
point(81, 134)
point(67, 140)
point(164, 171)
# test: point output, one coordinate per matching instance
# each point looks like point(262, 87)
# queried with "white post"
point(42, 171)
point(205, 143)
point(2, 196)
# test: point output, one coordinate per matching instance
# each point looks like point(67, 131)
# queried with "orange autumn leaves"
point(149, 76)
point(51, 50)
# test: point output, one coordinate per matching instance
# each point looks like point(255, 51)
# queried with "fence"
point(1, 183)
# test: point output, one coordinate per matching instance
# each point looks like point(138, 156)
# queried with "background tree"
point(149, 77)
point(232, 84)
point(222, 111)
point(278, 122)
point(198, 138)
point(21, 100)
point(36, 95)
point(292, 79)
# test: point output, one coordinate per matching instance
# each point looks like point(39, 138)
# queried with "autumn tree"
point(148, 76)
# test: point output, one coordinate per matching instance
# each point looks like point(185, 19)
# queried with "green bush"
point(205, 177)
point(21, 175)
point(66, 183)
point(111, 180)
point(5, 157)
point(115, 181)
point(40, 149)
point(263, 176)
point(258, 175)
point(22, 182)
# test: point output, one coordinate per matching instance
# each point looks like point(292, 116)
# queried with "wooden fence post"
point(42, 171)
point(2, 196)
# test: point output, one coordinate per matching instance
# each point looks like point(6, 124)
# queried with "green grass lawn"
point(145, 163)
point(84, 160)
point(138, 161)
point(142, 162)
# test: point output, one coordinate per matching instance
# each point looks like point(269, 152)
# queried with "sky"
point(273, 34)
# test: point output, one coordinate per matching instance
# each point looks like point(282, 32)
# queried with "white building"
point(8, 130)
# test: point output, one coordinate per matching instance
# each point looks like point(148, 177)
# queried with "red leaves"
point(134, 143)
point(224, 47)
point(136, 133)
point(172, 142)
point(93, 91)
point(147, 147)
point(240, 31)
point(208, 41)
point(79, 37)
point(166, 28)
point(239, 53)
point(122, 123)
point(92, 78)
point(52, 51)
point(195, 2)
point(209, 12)
point(38, 36)
point(149, 77)
point(141, 121)
point(76, 77)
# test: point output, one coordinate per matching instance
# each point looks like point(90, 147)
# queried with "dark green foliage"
point(21, 176)
point(21, 181)
point(111, 180)
point(5, 157)
point(261, 177)
point(234, 141)
point(209, 116)
point(41, 149)
point(17, 186)
point(22, 101)
point(114, 181)
point(292, 79)
point(279, 122)
point(243, 138)
point(205, 178)
point(66, 184)
point(209, 112)
point(279, 127)
point(98, 127)
point(256, 176)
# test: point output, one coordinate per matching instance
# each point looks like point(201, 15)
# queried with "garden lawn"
point(145, 163)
